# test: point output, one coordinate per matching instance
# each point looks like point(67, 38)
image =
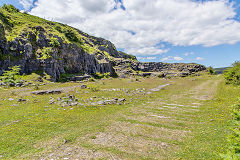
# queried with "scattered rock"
point(22, 100)
point(112, 101)
point(83, 86)
point(12, 84)
point(47, 92)
point(122, 100)
point(79, 78)
point(11, 99)
point(159, 88)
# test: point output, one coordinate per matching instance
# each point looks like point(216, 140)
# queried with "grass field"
point(188, 119)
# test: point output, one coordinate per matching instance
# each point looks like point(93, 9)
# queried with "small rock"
point(101, 103)
point(47, 92)
point(122, 100)
point(21, 100)
point(11, 99)
point(74, 104)
point(83, 86)
point(11, 84)
point(71, 96)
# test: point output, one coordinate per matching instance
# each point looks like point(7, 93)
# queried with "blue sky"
point(153, 31)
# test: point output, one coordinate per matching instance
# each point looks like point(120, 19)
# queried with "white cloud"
point(27, 4)
point(166, 58)
point(178, 58)
point(146, 58)
point(171, 58)
point(199, 58)
point(146, 24)
point(188, 53)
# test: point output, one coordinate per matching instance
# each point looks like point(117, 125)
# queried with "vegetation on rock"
point(17, 23)
point(40, 42)
point(100, 76)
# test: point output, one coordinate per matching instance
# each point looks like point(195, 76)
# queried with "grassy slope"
point(38, 129)
point(16, 22)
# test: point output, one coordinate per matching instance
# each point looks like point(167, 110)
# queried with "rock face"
point(54, 48)
point(70, 58)
point(177, 69)
point(64, 58)
point(2, 32)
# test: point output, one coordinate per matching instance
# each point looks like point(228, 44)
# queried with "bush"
point(10, 8)
point(12, 75)
point(64, 77)
point(232, 75)
point(211, 71)
point(161, 75)
point(71, 35)
point(98, 75)
point(59, 29)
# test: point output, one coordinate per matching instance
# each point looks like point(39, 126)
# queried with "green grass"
point(36, 123)
point(36, 128)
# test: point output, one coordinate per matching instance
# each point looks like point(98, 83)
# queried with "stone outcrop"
point(47, 92)
point(69, 58)
point(124, 67)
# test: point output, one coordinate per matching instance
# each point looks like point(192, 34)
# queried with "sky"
point(182, 31)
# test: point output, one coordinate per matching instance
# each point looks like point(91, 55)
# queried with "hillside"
point(220, 70)
point(38, 45)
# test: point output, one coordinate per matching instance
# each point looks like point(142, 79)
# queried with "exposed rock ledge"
point(70, 58)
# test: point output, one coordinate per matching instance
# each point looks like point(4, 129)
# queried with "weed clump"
point(234, 138)
point(94, 88)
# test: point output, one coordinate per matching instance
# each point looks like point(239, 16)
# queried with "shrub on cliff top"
point(10, 8)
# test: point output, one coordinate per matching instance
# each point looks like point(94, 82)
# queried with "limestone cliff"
point(38, 45)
